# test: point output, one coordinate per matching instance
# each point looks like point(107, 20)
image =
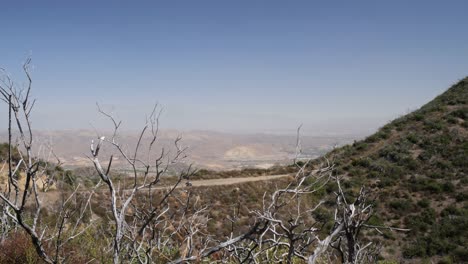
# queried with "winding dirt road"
point(223, 181)
point(230, 181)
point(53, 196)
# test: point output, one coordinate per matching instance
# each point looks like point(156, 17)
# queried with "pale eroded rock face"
point(241, 153)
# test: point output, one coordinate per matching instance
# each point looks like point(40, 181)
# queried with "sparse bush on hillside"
point(422, 157)
point(446, 239)
point(460, 113)
point(15, 154)
point(402, 206)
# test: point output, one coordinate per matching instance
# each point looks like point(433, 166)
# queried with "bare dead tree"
point(282, 230)
point(350, 219)
point(146, 224)
point(134, 222)
point(290, 232)
point(21, 201)
point(348, 222)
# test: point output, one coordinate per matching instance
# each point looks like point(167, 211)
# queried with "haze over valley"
point(205, 149)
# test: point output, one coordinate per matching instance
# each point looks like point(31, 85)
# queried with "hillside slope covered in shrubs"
point(418, 165)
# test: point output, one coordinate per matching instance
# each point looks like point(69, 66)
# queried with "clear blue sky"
point(251, 66)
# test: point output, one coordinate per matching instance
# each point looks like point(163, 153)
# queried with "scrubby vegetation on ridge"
point(418, 165)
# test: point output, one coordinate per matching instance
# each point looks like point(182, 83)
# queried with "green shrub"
point(460, 113)
point(387, 182)
point(448, 187)
point(422, 222)
point(418, 117)
point(430, 185)
point(375, 220)
point(424, 203)
point(461, 196)
point(322, 215)
point(413, 250)
point(413, 138)
point(401, 206)
point(451, 119)
point(433, 125)
point(15, 154)
point(361, 162)
point(460, 254)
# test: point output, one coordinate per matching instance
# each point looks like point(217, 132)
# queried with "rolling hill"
point(417, 167)
point(206, 149)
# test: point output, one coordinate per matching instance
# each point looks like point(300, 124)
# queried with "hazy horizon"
point(237, 67)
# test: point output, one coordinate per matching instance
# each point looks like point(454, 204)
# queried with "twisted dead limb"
point(17, 196)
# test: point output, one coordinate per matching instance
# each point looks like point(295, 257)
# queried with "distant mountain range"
point(206, 149)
